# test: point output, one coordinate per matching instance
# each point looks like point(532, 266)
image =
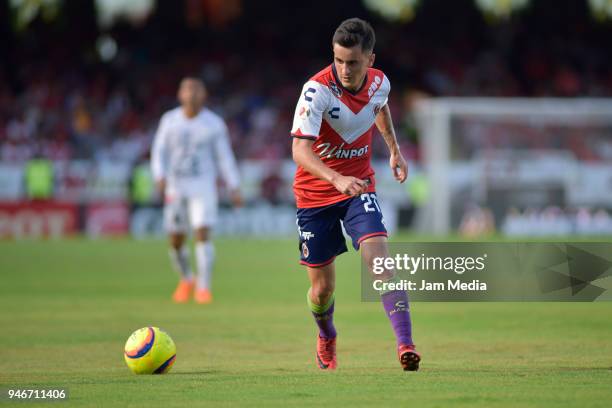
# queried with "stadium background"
point(83, 84)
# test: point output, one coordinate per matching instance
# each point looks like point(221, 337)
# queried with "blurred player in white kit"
point(190, 148)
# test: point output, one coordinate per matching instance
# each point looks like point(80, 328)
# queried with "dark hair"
point(355, 31)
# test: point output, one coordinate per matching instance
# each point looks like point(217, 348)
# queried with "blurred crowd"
point(588, 140)
point(63, 113)
point(60, 106)
point(557, 221)
point(478, 221)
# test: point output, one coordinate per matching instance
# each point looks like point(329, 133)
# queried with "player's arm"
point(314, 100)
point(159, 157)
point(384, 123)
point(227, 165)
point(305, 157)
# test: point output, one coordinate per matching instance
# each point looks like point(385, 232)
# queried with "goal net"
point(520, 166)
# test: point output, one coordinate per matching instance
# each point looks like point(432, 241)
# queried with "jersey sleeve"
point(159, 151)
point(225, 159)
point(385, 88)
point(313, 102)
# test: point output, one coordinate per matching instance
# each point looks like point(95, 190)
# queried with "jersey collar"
point(365, 81)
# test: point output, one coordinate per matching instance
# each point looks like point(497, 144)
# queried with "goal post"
point(532, 151)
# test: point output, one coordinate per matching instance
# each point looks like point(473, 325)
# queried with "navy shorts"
point(320, 233)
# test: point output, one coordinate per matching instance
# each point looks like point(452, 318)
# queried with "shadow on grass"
point(200, 372)
point(518, 370)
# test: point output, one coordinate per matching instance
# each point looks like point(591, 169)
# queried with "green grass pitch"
point(67, 308)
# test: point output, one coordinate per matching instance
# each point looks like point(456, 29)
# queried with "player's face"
point(191, 93)
point(351, 65)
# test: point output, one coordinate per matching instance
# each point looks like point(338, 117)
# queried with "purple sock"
point(398, 312)
point(325, 321)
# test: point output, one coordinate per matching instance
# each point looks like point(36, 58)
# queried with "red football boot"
point(326, 353)
point(408, 357)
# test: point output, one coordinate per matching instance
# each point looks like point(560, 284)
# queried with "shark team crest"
point(305, 250)
point(335, 89)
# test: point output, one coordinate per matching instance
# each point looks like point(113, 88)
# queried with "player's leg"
point(320, 299)
point(175, 220)
point(205, 258)
point(396, 305)
point(203, 214)
point(364, 222)
point(320, 241)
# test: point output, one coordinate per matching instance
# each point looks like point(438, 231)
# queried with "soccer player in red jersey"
point(334, 182)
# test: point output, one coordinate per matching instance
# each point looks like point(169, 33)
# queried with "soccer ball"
point(149, 351)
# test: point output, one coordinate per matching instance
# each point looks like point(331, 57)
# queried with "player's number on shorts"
point(369, 200)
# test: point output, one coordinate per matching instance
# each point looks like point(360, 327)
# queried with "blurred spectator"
point(271, 187)
point(476, 222)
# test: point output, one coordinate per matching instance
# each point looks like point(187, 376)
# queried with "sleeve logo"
point(308, 94)
point(304, 112)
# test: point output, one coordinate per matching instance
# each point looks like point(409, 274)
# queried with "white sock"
point(180, 262)
point(205, 256)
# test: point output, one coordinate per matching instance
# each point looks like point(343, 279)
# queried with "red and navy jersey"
point(341, 123)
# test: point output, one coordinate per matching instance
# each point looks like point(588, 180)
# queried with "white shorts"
point(180, 213)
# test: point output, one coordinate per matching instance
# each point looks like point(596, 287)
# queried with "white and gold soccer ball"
point(149, 351)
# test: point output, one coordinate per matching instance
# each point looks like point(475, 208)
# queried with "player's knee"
point(372, 251)
point(323, 290)
point(202, 234)
point(369, 257)
point(176, 241)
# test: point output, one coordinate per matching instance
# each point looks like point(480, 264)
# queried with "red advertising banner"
point(107, 219)
point(37, 219)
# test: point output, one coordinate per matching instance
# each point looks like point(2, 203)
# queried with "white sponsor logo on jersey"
point(374, 86)
point(328, 151)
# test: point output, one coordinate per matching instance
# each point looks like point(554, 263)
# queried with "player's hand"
point(236, 198)
point(351, 186)
point(399, 167)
